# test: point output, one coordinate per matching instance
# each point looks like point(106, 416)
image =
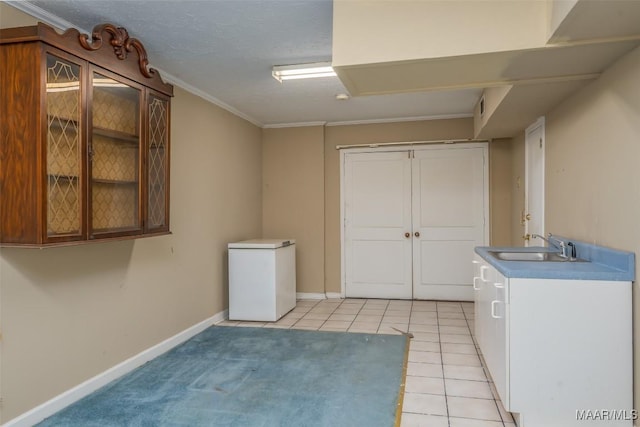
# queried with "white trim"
point(76, 393)
point(293, 125)
point(407, 144)
point(343, 271)
point(487, 196)
point(306, 295)
point(539, 123)
point(335, 295)
point(401, 119)
point(413, 145)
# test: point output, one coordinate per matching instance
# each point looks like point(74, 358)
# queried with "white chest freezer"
point(262, 279)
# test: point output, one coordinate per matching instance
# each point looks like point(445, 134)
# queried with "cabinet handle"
point(475, 288)
point(417, 234)
point(493, 309)
point(407, 235)
point(499, 285)
point(483, 268)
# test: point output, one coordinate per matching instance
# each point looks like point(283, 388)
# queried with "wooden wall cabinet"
point(84, 138)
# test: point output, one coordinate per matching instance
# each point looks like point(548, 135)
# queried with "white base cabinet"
point(557, 350)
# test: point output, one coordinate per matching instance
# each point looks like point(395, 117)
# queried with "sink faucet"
point(559, 244)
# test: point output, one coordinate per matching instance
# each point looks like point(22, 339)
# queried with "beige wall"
point(293, 188)
point(517, 189)
point(70, 313)
point(558, 10)
point(374, 31)
point(500, 192)
point(11, 17)
point(593, 168)
point(492, 97)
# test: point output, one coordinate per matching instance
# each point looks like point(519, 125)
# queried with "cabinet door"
point(115, 156)
point(483, 288)
point(157, 216)
point(500, 349)
point(64, 149)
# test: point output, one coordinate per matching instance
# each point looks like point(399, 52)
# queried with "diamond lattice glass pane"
point(63, 148)
point(115, 147)
point(114, 206)
point(158, 116)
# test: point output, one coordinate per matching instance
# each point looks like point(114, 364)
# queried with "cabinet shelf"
point(55, 124)
point(117, 135)
point(108, 133)
point(113, 181)
point(53, 176)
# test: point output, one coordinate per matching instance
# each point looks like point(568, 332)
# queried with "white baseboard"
point(306, 295)
point(70, 396)
point(334, 295)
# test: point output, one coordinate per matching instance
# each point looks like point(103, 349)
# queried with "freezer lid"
point(262, 244)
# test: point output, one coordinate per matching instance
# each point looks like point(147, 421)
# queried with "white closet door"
point(378, 260)
point(448, 220)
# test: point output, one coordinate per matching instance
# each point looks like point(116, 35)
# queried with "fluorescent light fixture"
point(303, 71)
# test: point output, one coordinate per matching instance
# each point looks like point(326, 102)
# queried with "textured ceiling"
point(224, 49)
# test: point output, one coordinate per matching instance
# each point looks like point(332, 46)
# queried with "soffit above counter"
point(549, 63)
point(536, 72)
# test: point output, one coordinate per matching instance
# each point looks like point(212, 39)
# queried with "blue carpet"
point(231, 376)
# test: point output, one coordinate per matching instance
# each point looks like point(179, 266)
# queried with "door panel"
point(455, 268)
point(444, 178)
point(377, 216)
point(448, 213)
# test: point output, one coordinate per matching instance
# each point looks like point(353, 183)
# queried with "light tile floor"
point(446, 384)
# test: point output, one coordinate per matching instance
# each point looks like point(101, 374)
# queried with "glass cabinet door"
point(158, 164)
point(114, 154)
point(64, 148)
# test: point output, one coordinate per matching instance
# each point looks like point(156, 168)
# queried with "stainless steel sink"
point(532, 256)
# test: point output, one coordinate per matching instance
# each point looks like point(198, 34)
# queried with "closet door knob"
point(417, 234)
point(407, 235)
